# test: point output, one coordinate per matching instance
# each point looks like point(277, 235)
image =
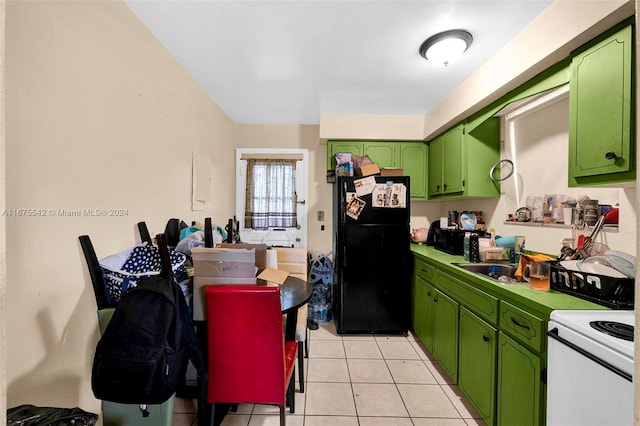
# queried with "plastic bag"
point(30, 415)
point(321, 278)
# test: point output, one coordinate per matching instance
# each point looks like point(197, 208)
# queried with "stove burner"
point(615, 329)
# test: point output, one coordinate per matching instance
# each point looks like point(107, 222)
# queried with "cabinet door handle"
point(428, 293)
point(435, 299)
point(513, 320)
point(485, 338)
point(610, 155)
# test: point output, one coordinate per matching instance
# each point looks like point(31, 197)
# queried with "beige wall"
point(319, 195)
point(99, 115)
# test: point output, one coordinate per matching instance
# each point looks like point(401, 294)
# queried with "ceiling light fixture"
point(446, 46)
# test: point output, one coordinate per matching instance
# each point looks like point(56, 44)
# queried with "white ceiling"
point(287, 62)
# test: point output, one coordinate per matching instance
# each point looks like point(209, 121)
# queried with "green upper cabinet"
point(436, 152)
point(409, 156)
point(453, 161)
point(601, 141)
point(446, 159)
point(355, 148)
point(413, 161)
point(460, 161)
point(384, 154)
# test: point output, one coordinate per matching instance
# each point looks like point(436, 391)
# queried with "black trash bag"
point(30, 415)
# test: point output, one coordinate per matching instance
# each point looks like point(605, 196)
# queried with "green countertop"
point(520, 294)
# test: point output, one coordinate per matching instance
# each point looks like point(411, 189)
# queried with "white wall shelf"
point(606, 227)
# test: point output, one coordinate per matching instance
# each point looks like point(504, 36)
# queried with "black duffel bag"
point(30, 415)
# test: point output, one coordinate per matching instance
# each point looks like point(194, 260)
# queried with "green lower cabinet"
point(521, 389)
point(477, 363)
point(422, 315)
point(445, 333)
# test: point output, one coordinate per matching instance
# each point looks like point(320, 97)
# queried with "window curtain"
point(271, 194)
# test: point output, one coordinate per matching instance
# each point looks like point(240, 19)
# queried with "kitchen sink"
point(501, 272)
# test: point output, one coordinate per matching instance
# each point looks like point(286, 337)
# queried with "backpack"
point(142, 355)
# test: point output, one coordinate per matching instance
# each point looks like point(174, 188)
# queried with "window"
point(283, 226)
point(271, 194)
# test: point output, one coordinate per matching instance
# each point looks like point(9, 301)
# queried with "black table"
point(294, 293)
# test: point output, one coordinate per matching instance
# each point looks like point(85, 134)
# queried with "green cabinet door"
point(600, 111)
point(436, 166)
point(413, 161)
point(384, 154)
point(477, 363)
point(355, 148)
point(447, 163)
point(445, 333)
point(520, 387)
point(409, 156)
point(422, 315)
point(453, 161)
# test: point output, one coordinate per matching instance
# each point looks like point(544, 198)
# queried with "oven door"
point(585, 385)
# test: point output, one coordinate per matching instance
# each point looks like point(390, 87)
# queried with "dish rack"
point(615, 293)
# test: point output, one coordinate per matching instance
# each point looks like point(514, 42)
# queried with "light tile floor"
point(361, 380)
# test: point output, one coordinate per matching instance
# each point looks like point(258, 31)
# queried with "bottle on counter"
point(474, 248)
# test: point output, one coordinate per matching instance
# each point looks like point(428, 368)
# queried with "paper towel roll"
point(272, 259)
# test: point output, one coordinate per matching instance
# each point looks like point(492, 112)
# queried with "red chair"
point(249, 361)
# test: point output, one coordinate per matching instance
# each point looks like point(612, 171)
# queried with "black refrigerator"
point(372, 259)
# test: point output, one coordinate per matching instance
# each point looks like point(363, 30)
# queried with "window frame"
point(290, 237)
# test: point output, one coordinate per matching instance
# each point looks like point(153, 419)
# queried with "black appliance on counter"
point(448, 240)
point(372, 259)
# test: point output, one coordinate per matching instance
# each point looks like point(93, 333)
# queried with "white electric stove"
point(590, 368)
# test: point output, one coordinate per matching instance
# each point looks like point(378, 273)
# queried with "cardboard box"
point(388, 171)
point(292, 260)
point(494, 254)
point(274, 275)
point(205, 268)
point(368, 170)
point(223, 254)
point(261, 251)
point(222, 262)
point(199, 298)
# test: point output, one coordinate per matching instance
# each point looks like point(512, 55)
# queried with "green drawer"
point(425, 271)
point(521, 325)
point(482, 304)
